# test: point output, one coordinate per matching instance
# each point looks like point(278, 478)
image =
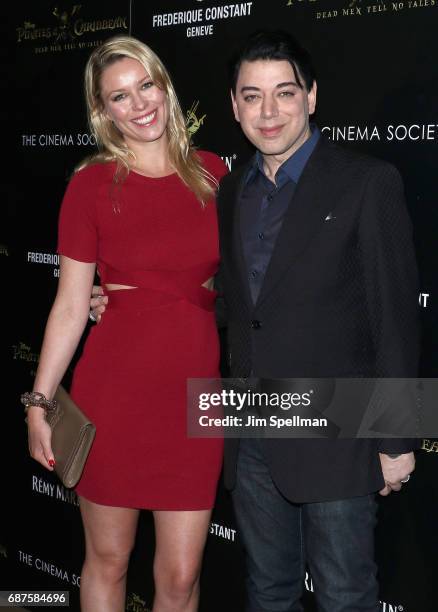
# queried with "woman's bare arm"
point(65, 326)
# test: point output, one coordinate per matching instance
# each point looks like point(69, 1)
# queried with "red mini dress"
point(153, 234)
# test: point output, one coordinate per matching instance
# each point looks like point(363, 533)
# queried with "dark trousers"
point(335, 539)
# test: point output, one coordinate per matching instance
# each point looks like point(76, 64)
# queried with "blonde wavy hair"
point(110, 142)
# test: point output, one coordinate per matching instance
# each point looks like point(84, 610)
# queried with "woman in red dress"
point(141, 210)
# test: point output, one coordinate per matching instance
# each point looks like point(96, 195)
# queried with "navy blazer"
point(339, 299)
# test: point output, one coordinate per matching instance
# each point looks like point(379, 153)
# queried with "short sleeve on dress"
point(77, 228)
point(213, 164)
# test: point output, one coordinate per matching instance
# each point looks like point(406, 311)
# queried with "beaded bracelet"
point(35, 398)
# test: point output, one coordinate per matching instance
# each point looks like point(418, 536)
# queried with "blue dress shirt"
point(263, 205)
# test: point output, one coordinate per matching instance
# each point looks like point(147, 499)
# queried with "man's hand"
point(98, 302)
point(396, 470)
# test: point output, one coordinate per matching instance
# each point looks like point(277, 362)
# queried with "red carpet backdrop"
point(377, 80)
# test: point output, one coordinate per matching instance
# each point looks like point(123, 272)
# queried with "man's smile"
point(271, 132)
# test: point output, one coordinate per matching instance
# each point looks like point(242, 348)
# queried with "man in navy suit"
point(319, 279)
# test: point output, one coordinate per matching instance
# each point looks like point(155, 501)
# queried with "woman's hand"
point(98, 303)
point(39, 437)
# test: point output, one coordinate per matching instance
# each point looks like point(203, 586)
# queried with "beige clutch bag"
point(72, 436)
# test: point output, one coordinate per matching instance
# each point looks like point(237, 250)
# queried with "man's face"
point(272, 109)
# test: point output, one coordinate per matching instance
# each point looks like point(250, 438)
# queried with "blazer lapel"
point(232, 248)
point(312, 201)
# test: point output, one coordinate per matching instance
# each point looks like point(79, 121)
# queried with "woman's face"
point(136, 105)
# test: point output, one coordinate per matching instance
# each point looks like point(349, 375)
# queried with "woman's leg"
point(109, 539)
point(180, 541)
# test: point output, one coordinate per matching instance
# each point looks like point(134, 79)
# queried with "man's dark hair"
point(274, 45)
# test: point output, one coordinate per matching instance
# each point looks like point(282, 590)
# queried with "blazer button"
point(256, 324)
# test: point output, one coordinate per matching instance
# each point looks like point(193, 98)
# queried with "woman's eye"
point(118, 97)
point(147, 85)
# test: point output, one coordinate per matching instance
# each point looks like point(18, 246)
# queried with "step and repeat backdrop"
point(377, 82)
